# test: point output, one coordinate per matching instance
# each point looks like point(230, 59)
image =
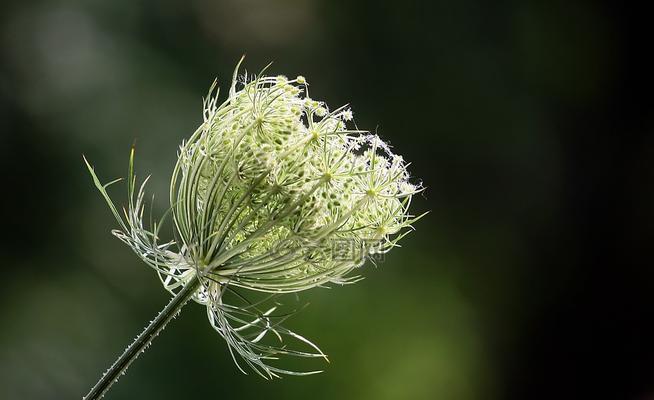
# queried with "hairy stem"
point(143, 340)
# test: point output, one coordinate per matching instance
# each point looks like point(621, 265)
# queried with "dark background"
point(530, 122)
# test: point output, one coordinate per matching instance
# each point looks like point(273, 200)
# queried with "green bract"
point(274, 193)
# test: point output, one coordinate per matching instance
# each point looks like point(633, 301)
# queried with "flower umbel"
point(259, 195)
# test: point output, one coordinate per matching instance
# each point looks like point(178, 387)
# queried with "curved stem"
point(143, 340)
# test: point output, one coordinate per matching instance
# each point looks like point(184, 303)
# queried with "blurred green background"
point(529, 122)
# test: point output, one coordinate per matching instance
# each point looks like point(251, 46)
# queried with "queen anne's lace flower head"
point(262, 196)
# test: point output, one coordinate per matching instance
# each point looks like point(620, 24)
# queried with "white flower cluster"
point(259, 192)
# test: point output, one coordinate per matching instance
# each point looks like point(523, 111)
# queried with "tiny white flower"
point(321, 111)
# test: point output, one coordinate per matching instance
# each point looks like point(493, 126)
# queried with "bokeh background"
point(530, 122)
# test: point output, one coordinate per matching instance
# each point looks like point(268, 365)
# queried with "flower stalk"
point(142, 341)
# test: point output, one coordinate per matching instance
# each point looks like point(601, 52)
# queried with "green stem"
point(143, 340)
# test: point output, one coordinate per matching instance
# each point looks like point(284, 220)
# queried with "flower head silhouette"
point(277, 193)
